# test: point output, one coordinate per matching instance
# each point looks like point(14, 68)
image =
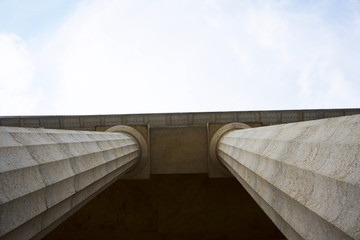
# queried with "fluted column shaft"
point(46, 174)
point(305, 176)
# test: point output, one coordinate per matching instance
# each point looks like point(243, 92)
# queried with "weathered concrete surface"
point(45, 174)
point(167, 207)
point(259, 118)
point(178, 142)
point(305, 176)
point(178, 150)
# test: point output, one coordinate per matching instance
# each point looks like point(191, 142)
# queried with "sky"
point(74, 57)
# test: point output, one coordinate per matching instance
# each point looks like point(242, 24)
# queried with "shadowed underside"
point(182, 206)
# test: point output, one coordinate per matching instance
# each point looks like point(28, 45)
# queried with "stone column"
point(305, 176)
point(46, 175)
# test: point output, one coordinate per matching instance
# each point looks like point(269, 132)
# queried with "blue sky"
point(113, 57)
point(31, 18)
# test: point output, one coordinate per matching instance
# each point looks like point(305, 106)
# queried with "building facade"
point(171, 172)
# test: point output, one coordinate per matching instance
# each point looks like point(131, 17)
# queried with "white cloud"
point(290, 59)
point(105, 59)
point(17, 96)
point(268, 27)
point(141, 56)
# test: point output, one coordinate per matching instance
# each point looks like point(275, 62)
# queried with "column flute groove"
point(305, 175)
point(48, 174)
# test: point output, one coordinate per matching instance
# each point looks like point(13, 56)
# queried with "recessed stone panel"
point(249, 117)
point(290, 116)
point(70, 122)
point(30, 122)
point(225, 117)
point(352, 111)
point(270, 117)
point(333, 113)
point(90, 122)
point(156, 119)
point(133, 120)
point(11, 122)
point(113, 120)
point(53, 122)
point(203, 118)
point(179, 119)
point(313, 115)
point(178, 150)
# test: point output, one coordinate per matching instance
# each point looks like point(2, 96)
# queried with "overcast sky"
point(114, 57)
